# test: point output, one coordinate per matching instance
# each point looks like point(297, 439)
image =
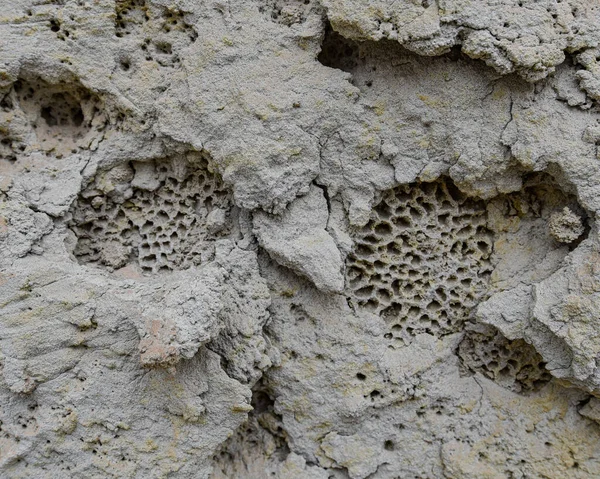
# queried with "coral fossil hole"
point(422, 260)
point(515, 365)
point(64, 117)
point(163, 216)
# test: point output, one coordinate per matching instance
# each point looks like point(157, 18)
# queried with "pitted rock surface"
point(297, 239)
point(422, 260)
point(162, 214)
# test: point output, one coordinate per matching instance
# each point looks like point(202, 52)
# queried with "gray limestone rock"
point(299, 239)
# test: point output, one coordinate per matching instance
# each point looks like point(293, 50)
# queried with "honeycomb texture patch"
point(515, 365)
point(422, 260)
point(163, 216)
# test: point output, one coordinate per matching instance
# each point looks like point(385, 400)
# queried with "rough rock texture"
point(321, 239)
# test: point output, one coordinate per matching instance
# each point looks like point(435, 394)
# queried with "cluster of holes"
point(62, 32)
point(174, 21)
point(63, 116)
point(388, 393)
point(422, 260)
point(28, 424)
point(24, 424)
point(129, 15)
point(515, 365)
point(384, 393)
point(286, 12)
point(160, 51)
point(173, 32)
point(165, 229)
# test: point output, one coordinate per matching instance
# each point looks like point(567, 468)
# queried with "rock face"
point(299, 239)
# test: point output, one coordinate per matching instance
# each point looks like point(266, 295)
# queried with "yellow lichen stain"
point(299, 407)
point(31, 31)
point(193, 415)
point(536, 118)
point(326, 425)
point(304, 43)
point(243, 408)
point(16, 298)
point(433, 102)
point(273, 107)
point(379, 108)
point(68, 423)
point(499, 93)
point(469, 406)
point(177, 423)
point(148, 446)
point(294, 151)
point(589, 273)
point(237, 160)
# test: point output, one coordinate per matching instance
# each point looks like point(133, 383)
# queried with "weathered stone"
point(299, 239)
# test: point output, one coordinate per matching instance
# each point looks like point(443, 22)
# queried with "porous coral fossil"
point(422, 259)
point(162, 215)
point(515, 365)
